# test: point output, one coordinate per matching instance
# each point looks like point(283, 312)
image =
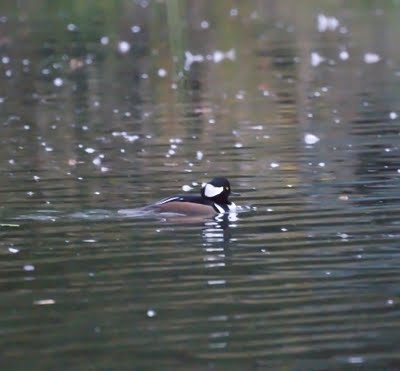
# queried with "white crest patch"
point(211, 191)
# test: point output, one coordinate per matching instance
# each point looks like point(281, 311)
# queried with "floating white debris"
point(97, 161)
point(311, 138)
point(199, 155)
point(151, 313)
point(371, 58)
point(162, 72)
point(356, 360)
point(390, 302)
point(58, 81)
point(124, 47)
point(104, 40)
point(186, 188)
point(325, 23)
point(5, 60)
point(204, 24)
point(316, 59)
point(321, 164)
point(13, 250)
point(135, 29)
point(192, 58)
point(44, 302)
point(238, 145)
point(90, 150)
point(344, 55)
point(393, 115)
point(36, 178)
point(72, 27)
point(274, 164)
point(29, 268)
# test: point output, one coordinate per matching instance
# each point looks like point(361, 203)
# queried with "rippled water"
point(297, 107)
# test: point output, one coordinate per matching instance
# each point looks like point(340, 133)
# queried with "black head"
point(218, 189)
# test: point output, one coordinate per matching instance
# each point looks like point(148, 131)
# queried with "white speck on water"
point(171, 152)
point(390, 302)
point(321, 164)
point(124, 47)
point(36, 178)
point(104, 40)
point(234, 12)
point(12, 162)
point(211, 121)
point(97, 193)
point(199, 155)
point(104, 169)
point(344, 236)
point(270, 210)
point(371, 58)
point(58, 81)
point(174, 86)
point(72, 27)
point(311, 138)
point(186, 188)
point(393, 115)
point(48, 149)
point(89, 241)
point(325, 23)
point(151, 313)
point(90, 150)
point(135, 29)
point(1, 100)
point(218, 56)
point(316, 59)
point(162, 72)
point(26, 127)
point(238, 145)
point(344, 55)
point(5, 60)
point(284, 229)
point(144, 76)
point(257, 127)
point(44, 302)
point(328, 273)
point(356, 360)
point(97, 161)
point(13, 250)
point(216, 282)
point(29, 268)
point(290, 185)
point(274, 164)
point(204, 25)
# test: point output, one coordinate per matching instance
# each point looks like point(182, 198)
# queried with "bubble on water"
point(58, 81)
point(124, 47)
point(13, 250)
point(371, 58)
point(199, 155)
point(72, 27)
point(97, 161)
point(393, 115)
point(344, 55)
point(316, 59)
point(5, 60)
point(311, 138)
point(326, 23)
point(151, 313)
point(274, 164)
point(321, 164)
point(234, 12)
point(36, 178)
point(90, 150)
point(104, 40)
point(390, 302)
point(162, 72)
point(204, 24)
point(238, 145)
point(135, 29)
point(29, 268)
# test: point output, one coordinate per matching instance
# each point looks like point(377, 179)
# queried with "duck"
point(213, 199)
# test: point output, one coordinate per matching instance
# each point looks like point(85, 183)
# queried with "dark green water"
point(111, 105)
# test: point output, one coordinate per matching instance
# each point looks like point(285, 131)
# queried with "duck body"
point(213, 199)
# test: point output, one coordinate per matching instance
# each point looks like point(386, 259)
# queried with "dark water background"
point(111, 105)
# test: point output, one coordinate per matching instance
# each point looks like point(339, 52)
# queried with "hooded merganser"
point(213, 200)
